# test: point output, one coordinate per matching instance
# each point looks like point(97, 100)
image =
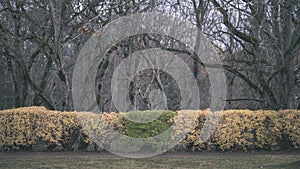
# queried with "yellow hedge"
point(25, 127)
point(36, 128)
point(248, 130)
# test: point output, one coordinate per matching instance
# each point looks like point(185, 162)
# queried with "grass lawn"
point(90, 161)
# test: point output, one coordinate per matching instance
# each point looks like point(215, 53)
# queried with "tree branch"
point(229, 25)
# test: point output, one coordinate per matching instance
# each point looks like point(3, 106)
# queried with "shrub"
point(38, 129)
point(150, 129)
point(248, 130)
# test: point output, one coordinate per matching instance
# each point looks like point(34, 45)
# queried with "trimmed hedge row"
point(249, 130)
point(38, 129)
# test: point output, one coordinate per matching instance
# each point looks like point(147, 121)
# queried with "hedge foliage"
point(38, 129)
point(151, 129)
point(249, 130)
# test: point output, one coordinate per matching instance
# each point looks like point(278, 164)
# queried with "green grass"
point(225, 161)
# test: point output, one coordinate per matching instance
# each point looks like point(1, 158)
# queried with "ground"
point(82, 160)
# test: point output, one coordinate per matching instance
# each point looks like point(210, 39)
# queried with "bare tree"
point(269, 40)
point(258, 41)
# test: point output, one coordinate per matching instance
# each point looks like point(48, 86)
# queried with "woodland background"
point(258, 42)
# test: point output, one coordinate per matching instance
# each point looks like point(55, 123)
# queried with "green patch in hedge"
point(149, 129)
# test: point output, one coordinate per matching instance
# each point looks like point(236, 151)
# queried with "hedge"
point(38, 129)
point(249, 130)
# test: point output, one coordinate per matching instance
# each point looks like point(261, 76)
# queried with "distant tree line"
point(258, 42)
